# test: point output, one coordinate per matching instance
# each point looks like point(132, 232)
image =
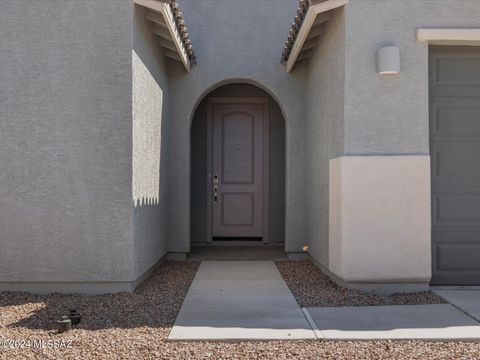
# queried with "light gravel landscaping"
point(312, 288)
point(135, 326)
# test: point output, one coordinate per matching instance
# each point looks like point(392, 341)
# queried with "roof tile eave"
point(183, 31)
point(295, 29)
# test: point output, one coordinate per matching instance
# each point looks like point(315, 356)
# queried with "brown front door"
point(237, 166)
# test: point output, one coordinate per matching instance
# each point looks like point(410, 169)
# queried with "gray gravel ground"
point(135, 326)
point(313, 288)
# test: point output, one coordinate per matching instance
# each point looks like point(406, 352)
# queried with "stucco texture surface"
point(379, 227)
point(324, 130)
point(92, 186)
point(235, 41)
point(150, 111)
point(389, 114)
point(351, 110)
point(65, 140)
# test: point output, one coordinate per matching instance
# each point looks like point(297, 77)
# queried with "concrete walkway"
point(406, 322)
point(249, 300)
point(466, 299)
point(240, 300)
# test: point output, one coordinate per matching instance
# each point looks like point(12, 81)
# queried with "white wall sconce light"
point(388, 60)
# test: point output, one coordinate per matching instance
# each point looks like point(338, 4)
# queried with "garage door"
point(455, 155)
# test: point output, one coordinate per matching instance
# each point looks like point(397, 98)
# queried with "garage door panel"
point(462, 91)
point(455, 119)
point(457, 209)
point(457, 256)
point(455, 161)
point(455, 278)
point(454, 71)
point(457, 70)
point(462, 236)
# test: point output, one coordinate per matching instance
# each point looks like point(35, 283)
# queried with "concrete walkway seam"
point(457, 307)
point(314, 326)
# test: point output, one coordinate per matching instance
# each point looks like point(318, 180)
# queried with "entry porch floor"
point(235, 252)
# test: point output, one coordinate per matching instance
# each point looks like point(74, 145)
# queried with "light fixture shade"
point(389, 60)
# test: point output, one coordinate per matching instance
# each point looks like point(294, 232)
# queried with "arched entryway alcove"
point(237, 184)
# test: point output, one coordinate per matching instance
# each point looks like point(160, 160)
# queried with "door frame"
point(262, 100)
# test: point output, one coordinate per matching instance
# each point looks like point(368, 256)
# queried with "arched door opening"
point(237, 185)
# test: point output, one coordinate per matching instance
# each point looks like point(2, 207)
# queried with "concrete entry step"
point(231, 252)
point(240, 300)
point(425, 322)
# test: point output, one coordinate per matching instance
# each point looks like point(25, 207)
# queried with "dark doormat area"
point(226, 253)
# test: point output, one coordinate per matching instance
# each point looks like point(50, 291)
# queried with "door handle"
point(215, 188)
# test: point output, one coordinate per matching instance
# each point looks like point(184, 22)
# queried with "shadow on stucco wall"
point(150, 114)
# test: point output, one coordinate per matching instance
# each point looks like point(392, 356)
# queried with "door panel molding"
point(251, 199)
point(252, 149)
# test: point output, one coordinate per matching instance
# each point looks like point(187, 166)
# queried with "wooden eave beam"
point(317, 31)
point(172, 55)
point(305, 54)
point(162, 32)
point(156, 18)
point(322, 19)
point(162, 15)
point(310, 20)
point(166, 44)
point(309, 44)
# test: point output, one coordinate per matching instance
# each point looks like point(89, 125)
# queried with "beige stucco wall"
point(380, 218)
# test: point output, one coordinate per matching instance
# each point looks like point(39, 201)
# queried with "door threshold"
point(235, 243)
